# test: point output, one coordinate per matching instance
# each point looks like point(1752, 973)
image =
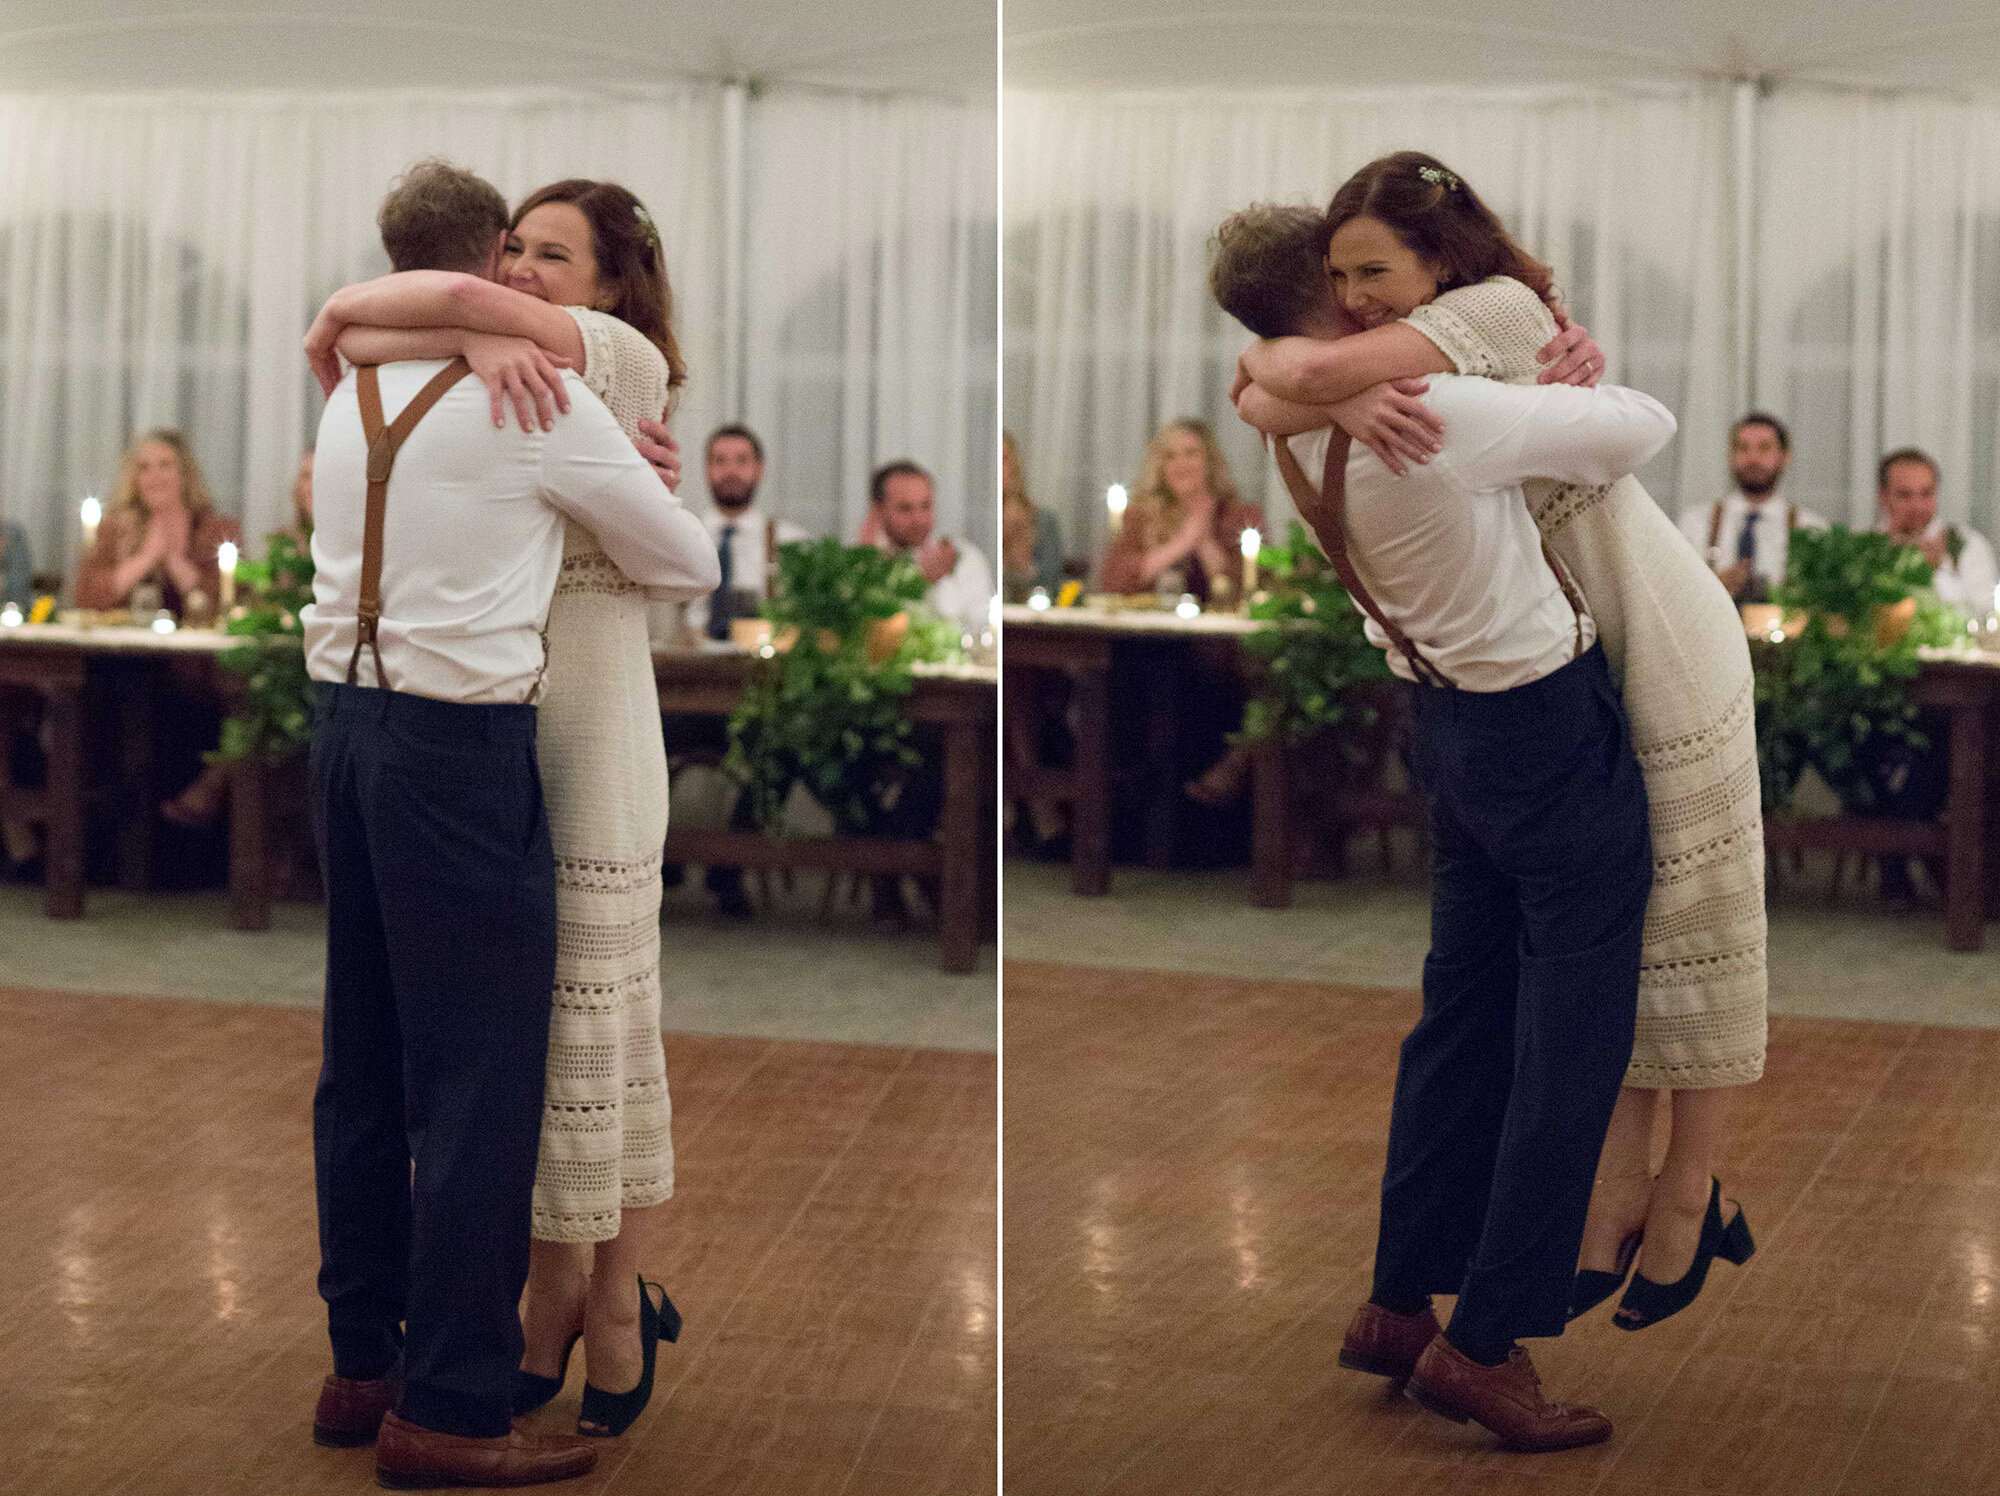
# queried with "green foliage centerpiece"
point(1835, 696)
point(274, 719)
point(824, 713)
point(1313, 647)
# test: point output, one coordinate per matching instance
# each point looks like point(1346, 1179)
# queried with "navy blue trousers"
point(441, 946)
point(1542, 863)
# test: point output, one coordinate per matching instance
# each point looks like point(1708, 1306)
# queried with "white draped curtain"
point(872, 246)
point(1878, 292)
point(1110, 202)
point(162, 255)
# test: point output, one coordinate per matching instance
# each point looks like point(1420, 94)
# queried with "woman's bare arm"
point(1320, 371)
point(511, 368)
point(446, 298)
point(361, 344)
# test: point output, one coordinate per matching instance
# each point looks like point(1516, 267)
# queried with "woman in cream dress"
point(1672, 639)
point(585, 287)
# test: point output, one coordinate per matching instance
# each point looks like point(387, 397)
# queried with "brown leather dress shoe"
point(409, 1457)
point(1385, 1343)
point(350, 1410)
point(1506, 1399)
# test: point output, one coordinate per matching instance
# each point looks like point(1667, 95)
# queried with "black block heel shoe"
point(532, 1391)
point(1647, 1303)
point(1593, 1287)
point(606, 1415)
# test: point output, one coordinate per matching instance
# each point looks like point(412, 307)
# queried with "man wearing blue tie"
point(746, 544)
point(746, 538)
point(1747, 535)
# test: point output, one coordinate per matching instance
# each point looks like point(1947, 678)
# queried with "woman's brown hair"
point(1438, 217)
point(630, 264)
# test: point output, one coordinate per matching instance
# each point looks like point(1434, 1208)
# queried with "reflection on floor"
point(790, 973)
point(831, 1245)
point(1192, 1167)
point(1847, 958)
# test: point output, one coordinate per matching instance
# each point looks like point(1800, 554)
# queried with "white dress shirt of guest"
point(473, 536)
point(1963, 570)
point(1746, 535)
point(744, 534)
point(903, 505)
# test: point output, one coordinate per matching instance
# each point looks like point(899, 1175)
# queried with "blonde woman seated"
point(160, 530)
point(156, 548)
point(1390, 241)
point(1185, 516)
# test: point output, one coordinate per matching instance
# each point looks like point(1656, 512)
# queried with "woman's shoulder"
point(621, 366)
point(1493, 327)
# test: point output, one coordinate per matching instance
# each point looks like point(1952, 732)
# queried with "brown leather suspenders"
point(383, 445)
point(1333, 492)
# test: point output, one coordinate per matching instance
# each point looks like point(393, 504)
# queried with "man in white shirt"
point(1542, 857)
point(1906, 495)
point(1746, 535)
point(435, 850)
point(903, 505)
point(746, 537)
point(1914, 781)
point(746, 541)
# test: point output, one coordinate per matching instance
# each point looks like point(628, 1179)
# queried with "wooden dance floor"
point(1191, 1175)
point(831, 1244)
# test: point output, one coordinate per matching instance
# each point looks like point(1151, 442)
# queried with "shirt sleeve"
point(592, 473)
point(1497, 435)
point(1977, 573)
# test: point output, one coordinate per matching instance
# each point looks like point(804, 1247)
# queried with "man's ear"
point(495, 255)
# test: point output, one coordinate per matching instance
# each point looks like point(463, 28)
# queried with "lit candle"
point(1253, 542)
point(225, 561)
point(1115, 501)
point(92, 513)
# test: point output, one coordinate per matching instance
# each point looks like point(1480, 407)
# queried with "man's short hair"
point(441, 217)
point(1905, 454)
point(878, 485)
point(733, 429)
point(1269, 270)
point(1775, 426)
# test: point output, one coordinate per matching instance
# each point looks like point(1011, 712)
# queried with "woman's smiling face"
point(550, 255)
point(1375, 275)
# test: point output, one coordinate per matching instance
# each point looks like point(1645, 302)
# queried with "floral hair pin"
point(646, 222)
point(1437, 176)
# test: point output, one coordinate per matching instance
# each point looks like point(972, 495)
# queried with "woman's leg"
point(552, 1308)
point(1624, 1184)
point(611, 1312)
point(1680, 1194)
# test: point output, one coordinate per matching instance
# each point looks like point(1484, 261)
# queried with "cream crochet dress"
point(1674, 642)
point(607, 1124)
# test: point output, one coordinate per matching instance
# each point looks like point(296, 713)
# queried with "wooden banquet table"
point(962, 700)
point(110, 674)
point(1085, 642)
